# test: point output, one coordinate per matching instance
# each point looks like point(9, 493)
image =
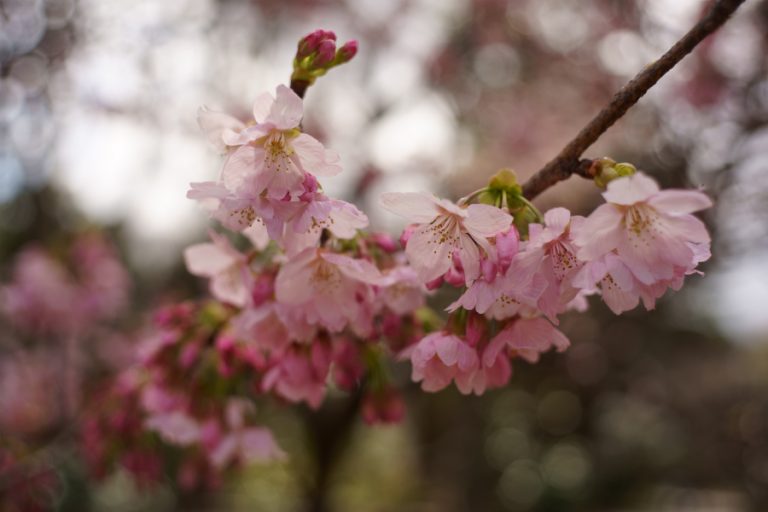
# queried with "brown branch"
point(567, 162)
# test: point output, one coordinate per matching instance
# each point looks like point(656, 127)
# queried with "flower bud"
point(346, 52)
point(325, 54)
point(607, 170)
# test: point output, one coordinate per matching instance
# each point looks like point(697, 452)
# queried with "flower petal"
point(214, 124)
point(414, 206)
point(679, 202)
point(486, 221)
point(207, 259)
point(631, 189)
point(287, 109)
point(314, 157)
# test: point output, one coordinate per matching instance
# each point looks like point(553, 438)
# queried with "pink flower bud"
point(385, 242)
point(475, 329)
point(454, 276)
point(263, 288)
point(325, 54)
point(385, 406)
point(309, 43)
point(488, 269)
point(346, 52)
point(507, 245)
point(310, 188)
point(407, 232)
point(435, 283)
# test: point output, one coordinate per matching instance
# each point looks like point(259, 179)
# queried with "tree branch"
point(567, 162)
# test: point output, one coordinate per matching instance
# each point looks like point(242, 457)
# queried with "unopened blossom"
point(652, 231)
point(441, 357)
point(324, 288)
point(224, 265)
point(442, 228)
point(272, 154)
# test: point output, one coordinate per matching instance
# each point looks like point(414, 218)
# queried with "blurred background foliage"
point(666, 410)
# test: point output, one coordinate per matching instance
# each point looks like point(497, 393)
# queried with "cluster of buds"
point(316, 54)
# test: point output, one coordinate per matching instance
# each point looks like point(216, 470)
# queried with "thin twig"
point(567, 162)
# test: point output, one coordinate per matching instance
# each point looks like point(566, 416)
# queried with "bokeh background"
point(651, 411)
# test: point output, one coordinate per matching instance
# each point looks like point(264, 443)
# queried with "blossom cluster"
point(306, 300)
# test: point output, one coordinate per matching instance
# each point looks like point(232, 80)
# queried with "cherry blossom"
point(442, 228)
point(226, 267)
point(652, 231)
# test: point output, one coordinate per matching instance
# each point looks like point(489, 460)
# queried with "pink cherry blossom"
point(441, 357)
point(241, 443)
point(526, 337)
point(299, 374)
point(324, 287)
point(224, 265)
point(272, 151)
point(651, 230)
point(176, 427)
point(551, 243)
point(443, 228)
point(401, 290)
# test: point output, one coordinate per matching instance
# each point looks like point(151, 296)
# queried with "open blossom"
point(242, 443)
point(527, 338)
point(272, 151)
point(236, 210)
point(652, 231)
point(443, 228)
point(441, 357)
point(224, 265)
point(300, 373)
point(324, 288)
point(551, 244)
point(401, 290)
point(507, 286)
point(304, 223)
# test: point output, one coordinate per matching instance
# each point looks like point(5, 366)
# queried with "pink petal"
point(207, 259)
point(292, 281)
point(600, 233)
point(214, 124)
point(244, 162)
point(314, 157)
point(486, 221)
point(429, 256)
point(631, 189)
point(470, 258)
point(262, 106)
point(360, 270)
point(537, 334)
point(287, 109)
point(257, 234)
point(416, 207)
point(258, 445)
point(229, 286)
point(346, 219)
point(678, 202)
point(557, 219)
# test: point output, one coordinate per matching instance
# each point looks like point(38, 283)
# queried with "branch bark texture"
point(568, 162)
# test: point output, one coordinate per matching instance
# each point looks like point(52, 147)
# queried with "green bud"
point(608, 170)
point(505, 181)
